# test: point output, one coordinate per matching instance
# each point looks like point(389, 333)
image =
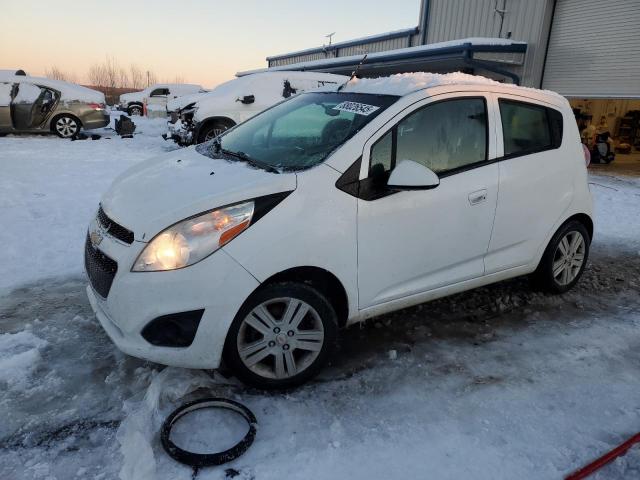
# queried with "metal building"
point(580, 48)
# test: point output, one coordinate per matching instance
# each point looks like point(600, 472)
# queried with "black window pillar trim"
point(491, 67)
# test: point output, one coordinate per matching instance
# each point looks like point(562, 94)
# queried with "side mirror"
point(247, 99)
point(410, 175)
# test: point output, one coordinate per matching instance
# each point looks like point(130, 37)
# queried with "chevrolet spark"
point(332, 207)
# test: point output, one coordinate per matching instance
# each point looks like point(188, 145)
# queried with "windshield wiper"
point(246, 158)
point(217, 145)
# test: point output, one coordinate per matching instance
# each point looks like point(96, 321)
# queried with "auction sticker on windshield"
point(355, 107)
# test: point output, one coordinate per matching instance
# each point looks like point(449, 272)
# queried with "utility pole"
point(330, 37)
point(148, 81)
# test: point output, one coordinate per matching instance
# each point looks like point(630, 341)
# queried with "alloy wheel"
point(569, 258)
point(66, 127)
point(280, 338)
point(213, 133)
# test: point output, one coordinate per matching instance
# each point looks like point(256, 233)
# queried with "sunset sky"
point(199, 41)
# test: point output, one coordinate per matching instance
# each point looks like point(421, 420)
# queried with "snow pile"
point(19, 357)
point(138, 430)
point(49, 184)
point(5, 94)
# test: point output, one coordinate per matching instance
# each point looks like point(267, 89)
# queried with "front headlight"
point(189, 241)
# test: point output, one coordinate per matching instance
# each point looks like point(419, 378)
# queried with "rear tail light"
point(97, 106)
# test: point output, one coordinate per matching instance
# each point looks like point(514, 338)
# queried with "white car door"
point(158, 97)
point(535, 188)
point(413, 241)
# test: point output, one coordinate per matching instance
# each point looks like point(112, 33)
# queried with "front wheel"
point(211, 131)
point(66, 126)
point(564, 259)
point(282, 336)
point(134, 110)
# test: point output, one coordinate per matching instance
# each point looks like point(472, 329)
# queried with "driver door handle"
point(478, 196)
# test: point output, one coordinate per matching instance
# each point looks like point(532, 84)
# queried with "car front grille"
point(112, 228)
point(101, 269)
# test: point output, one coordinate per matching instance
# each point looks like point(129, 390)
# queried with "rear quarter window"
point(529, 128)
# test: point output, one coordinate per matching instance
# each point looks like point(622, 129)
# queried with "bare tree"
point(97, 75)
point(58, 74)
point(123, 78)
point(110, 75)
point(136, 77)
point(151, 78)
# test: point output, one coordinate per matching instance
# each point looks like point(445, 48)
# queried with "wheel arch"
point(209, 120)
point(583, 218)
point(323, 280)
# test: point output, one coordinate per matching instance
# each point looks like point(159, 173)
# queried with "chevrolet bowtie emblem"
point(96, 238)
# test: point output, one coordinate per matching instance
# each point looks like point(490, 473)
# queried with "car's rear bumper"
point(96, 119)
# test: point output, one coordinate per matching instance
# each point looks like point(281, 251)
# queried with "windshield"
point(301, 132)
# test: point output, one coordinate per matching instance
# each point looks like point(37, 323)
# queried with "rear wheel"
point(282, 336)
point(66, 126)
point(564, 259)
point(135, 110)
point(212, 130)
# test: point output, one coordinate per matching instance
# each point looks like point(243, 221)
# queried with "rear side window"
point(529, 128)
point(159, 92)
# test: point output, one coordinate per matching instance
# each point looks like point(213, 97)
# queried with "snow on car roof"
point(68, 91)
point(402, 84)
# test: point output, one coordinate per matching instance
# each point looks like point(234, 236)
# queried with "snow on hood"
point(179, 103)
point(159, 192)
point(69, 92)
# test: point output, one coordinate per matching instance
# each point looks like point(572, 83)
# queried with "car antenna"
point(354, 73)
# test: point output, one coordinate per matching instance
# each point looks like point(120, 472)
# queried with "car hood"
point(161, 191)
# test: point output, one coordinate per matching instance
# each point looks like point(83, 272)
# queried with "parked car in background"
point(158, 94)
point(333, 207)
point(33, 104)
point(237, 100)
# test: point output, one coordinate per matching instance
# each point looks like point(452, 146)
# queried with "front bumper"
point(217, 284)
point(182, 134)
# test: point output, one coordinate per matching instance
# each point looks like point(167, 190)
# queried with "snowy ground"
point(498, 383)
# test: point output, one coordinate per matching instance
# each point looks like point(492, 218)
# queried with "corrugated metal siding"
point(452, 19)
point(594, 49)
point(299, 58)
point(384, 45)
point(527, 20)
point(369, 47)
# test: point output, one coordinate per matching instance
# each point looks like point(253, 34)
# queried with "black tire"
point(66, 126)
point(134, 110)
point(544, 277)
point(212, 129)
point(322, 311)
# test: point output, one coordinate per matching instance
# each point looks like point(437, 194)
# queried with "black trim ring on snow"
point(199, 460)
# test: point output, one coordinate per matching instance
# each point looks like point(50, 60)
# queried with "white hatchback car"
point(332, 207)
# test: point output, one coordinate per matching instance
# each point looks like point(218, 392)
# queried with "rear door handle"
point(478, 196)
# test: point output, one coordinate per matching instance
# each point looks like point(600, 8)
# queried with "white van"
point(157, 95)
point(199, 119)
point(333, 207)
